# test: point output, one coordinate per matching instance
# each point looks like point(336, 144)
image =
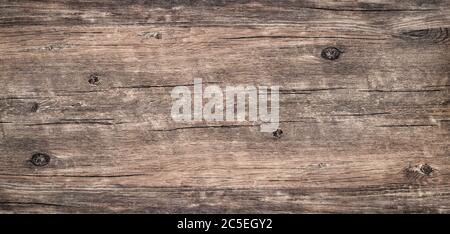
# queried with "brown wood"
point(88, 84)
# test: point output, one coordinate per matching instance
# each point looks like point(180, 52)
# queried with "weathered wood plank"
point(88, 83)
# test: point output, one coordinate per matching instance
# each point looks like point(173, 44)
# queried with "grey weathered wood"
point(88, 82)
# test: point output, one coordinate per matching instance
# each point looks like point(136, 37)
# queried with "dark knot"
point(331, 53)
point(93, 79)
point(40, 159)
point(277, 133)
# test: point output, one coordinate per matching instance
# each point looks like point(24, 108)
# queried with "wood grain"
point(88, 83)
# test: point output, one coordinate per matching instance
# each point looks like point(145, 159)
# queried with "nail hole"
point(277, 133)
point(49, 48)
point(35, 107)
point(158, 36)
point(57, 46)
point(40, 159)
point(331, 53)
point(93, 79)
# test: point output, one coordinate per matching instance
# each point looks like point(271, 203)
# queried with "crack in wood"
point(406, 125)
point(76, 176)
point(298, 37)
point(399, 91)
point(73, 122)
point(33, 204)
point(369, 10)
point(203, 127)
point(363, 114)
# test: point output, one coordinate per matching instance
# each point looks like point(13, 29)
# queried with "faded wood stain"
point(85, 120)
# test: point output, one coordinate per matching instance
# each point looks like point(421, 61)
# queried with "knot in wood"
point(148, 35)
point(93, 79)
point(331, 53)
point(426, 169)
point(40, 159)
point(277, 133)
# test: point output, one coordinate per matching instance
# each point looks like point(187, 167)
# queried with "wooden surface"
point(88, 83)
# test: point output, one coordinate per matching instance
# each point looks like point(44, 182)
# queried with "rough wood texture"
point(88, 83)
